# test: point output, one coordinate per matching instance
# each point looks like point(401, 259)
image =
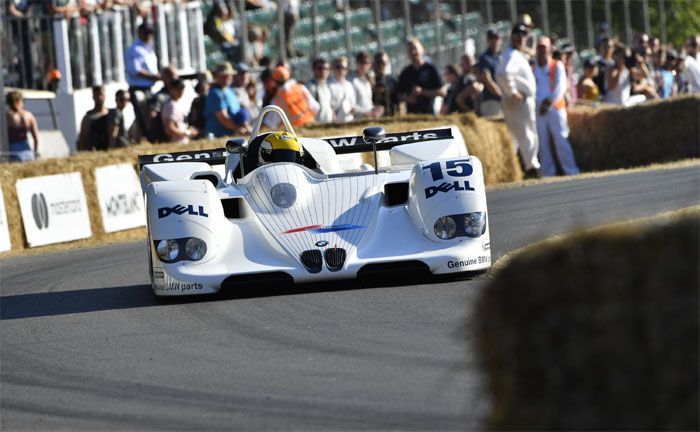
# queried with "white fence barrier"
point(120, 198)
point(54, 208)
point(5, 244)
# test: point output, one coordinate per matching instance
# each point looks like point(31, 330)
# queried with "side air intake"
point(335, 258)
point(395, 193)
point(312, 260)
point(233, 207)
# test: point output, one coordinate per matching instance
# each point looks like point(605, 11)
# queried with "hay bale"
point(596, 331)
point(614, 137)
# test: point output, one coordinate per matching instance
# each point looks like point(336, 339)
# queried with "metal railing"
point(89, 50)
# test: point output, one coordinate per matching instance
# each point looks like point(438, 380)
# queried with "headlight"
point(445, 227)
point(168, 250)
point(195, 249)
point(474, 224)
point(187, 248)
point(283, 195)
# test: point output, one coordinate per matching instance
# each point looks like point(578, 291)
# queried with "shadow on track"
point(139, 296)
point(76, 301)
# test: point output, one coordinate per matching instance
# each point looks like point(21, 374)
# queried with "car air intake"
point(395, 193)
point(233, 207)
point(335, 258)
point(312, 260)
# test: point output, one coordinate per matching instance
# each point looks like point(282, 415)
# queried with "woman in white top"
point(617, 78)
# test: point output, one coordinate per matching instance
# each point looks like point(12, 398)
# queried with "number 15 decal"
point(454, 168)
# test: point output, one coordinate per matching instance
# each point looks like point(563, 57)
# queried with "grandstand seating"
point(363, 33)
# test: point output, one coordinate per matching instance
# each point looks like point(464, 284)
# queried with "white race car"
point(313, 211)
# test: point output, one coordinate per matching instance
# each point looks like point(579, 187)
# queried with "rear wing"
point(356, 144)
point(212, 157)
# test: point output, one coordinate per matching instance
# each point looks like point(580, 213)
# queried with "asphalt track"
point(84, 344)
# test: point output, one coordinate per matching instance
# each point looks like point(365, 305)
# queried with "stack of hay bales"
point(614, 137)
point(596, 331)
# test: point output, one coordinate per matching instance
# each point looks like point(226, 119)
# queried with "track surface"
point(84, 344)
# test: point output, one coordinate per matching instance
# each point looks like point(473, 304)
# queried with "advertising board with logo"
point(120, 197)
point(54, 208)
point(5, 244)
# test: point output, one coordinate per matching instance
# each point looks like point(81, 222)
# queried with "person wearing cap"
point(517, 82)
point(586, 88)
point(420, 83)
point(565, 54)
point(692, 64)
point(668, 61)
point(223, 113)
point(141, 66)
point(529, 48)
point(490, 103)
point(550, 76)
point(294, 99)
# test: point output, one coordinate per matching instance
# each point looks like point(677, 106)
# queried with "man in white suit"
point(517, 82)
point(551, 111)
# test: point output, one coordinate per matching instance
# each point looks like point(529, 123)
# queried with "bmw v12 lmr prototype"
point(308, 209)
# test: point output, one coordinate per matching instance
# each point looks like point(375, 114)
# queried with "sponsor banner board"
point(5, 244)
point(120, 198)
point(54, 208)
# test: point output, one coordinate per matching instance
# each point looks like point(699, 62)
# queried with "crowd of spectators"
point(528, 82)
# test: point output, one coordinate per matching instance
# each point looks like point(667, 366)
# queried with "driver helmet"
point(281, 147)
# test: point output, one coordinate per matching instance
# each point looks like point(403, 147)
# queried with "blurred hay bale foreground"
point(616, 137)
point(598, 331)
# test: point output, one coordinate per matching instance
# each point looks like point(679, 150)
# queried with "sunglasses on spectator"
point(339, 67)
point(323, 68)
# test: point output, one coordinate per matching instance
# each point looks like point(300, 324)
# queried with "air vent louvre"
point(335, 258)
point(312, 260)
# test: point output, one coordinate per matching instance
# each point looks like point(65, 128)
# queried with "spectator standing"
point(93, 127)
point(222, 112)
point(490, 102)
point(551, 79)
point(384, 88)
point(343, 97)
point(468, 97)
point(240, 83)
point(567, 55)
point(117, 134)
point(141, 73)
point(196, 116)
point(221, 28)
point(667, 74)
point(419, 83)
point(363, 87)
point(518, 86)
point(156, 133)
point(692, 64)
point(269, 87)
point(617, 79)
point(606, 61)
point(174, 117)
point(291, 16)
point(318, 86)
point(587, 89)
point(20, 123)
point(452, 76)
point(294, 99)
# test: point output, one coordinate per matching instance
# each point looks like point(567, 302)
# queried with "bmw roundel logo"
point(321, 243)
